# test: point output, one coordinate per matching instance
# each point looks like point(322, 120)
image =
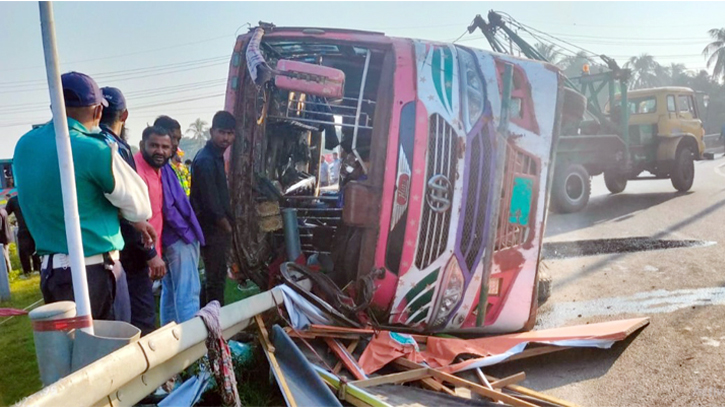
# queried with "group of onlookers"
point(144, 216)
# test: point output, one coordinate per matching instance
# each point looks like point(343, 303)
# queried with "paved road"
point(679, 359)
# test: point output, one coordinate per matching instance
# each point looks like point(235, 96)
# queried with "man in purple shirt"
point(181, 238)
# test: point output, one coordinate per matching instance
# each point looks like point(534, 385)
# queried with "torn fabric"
point(302, 313)
point(441, 352)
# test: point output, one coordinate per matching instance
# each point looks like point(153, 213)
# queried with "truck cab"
point(665, 136)
point(669, 112)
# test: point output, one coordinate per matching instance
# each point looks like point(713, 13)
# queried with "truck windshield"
point(643, 105)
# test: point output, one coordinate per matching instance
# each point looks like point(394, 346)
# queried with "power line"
point(129, 74)
point(126, 54)
point(631, 38)
point(180, 101)
point(135, 96)
point(28, 122)
point(623, 26)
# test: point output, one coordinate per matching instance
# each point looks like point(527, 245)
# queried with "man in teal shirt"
point(105, 185)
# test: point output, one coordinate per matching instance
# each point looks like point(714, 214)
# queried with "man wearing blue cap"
point(138, 261)
point(105, 186)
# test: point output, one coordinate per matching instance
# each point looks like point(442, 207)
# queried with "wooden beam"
point(492, 394)
point(350, 349)
point(337, 329)
point(406, 363)
point(507, 381)
point(395, 378)
point(314, 335)
point(535, 394)
point(265, 335)
point(428, 382)
point(269, 352)
point(346, 358)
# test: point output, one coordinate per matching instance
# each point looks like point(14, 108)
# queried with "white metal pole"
point(65, 161)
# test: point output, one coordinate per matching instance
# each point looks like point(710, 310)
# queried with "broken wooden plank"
point(395, 378)
point(492, 394)
point(276, 369)
point(346, 358)
point(507, 381)
point(463, 392)
point(314, 335)
point(342, 330)
point(350, 349)
point(535, 394)
point(411, 396)
point(409, 364)
point(428, 382)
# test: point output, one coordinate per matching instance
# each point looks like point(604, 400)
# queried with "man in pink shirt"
point(154, 153)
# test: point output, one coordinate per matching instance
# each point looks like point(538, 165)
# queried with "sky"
point(172, 57)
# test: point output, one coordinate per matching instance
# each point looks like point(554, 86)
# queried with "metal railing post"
point(65, 162)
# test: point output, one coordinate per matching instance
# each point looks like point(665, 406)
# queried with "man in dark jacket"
point(210, 200)
point(136, 259)
point(26, 245)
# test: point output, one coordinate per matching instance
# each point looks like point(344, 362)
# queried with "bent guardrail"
point(127, 375)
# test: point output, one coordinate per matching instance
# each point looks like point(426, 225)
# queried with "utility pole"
point(65, 161)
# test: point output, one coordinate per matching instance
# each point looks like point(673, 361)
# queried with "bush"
point(17, 268)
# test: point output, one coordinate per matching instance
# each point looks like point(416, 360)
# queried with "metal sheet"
point(305, 385)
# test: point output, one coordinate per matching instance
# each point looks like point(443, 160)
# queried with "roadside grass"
point(18, 368)
point(19, 375)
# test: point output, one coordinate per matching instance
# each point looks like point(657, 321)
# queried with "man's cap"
point(223, 120)
point(80, 90)
point(115, 99)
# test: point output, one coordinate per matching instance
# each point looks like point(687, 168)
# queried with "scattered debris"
point(375, 367)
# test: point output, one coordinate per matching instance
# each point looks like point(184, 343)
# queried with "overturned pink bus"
point(436, 220)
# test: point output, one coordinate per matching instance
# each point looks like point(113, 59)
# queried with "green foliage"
point(548, 51)
point(190, 147)
point(715, 53)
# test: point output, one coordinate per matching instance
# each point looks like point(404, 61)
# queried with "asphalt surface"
point(678, 359)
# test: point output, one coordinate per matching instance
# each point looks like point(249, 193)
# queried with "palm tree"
point(548, 51)
point(644, 71)
point(715, 52)
point(678, 74)
point(198, 130)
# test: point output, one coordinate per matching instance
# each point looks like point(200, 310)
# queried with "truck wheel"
point(683, 172)
point(615, 182)
point(572, 188)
